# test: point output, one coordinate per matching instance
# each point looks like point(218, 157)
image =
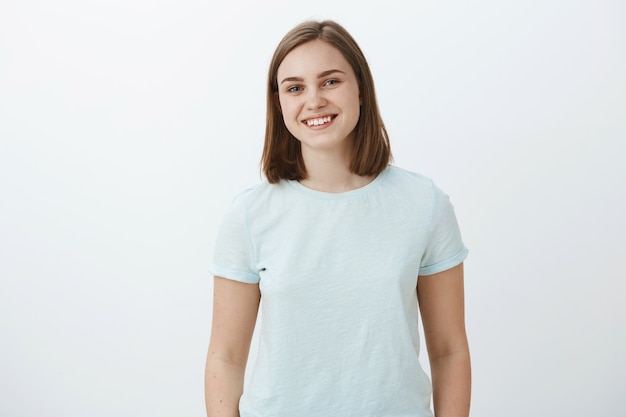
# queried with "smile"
point(319, 121)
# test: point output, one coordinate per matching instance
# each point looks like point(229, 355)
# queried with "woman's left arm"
point(442, 306)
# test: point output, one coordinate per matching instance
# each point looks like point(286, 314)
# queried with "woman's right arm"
point(235, 309)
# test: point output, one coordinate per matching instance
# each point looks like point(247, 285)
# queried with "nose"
point(315, 100)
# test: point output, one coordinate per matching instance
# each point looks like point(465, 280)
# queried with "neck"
point(330, 172)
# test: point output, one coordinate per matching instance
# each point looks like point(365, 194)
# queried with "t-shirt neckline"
point(337, 196)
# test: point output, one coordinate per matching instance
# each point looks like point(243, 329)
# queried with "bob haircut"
point(282, 156)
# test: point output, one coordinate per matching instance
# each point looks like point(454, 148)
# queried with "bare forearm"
point(223, 384)
point(451, 376)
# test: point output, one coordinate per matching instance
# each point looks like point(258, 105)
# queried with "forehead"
point(312, 58)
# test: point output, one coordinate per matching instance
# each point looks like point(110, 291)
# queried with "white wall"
point(127, 126)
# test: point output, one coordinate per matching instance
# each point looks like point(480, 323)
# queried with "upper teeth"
point(317, 122)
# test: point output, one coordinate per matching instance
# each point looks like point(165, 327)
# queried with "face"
point(319, 96)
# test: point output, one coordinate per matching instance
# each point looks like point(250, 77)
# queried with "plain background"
point(127, 126)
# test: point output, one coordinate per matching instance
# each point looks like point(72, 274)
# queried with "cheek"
point(356, 103)
point(288, 110)
point(353, 100)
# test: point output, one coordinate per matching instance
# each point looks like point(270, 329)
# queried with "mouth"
point(319, 121)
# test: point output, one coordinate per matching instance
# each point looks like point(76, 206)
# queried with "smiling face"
point(319, 97)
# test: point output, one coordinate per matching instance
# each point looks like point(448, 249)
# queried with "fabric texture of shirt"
point(338, 275)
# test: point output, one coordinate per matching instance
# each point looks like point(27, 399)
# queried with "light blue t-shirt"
point(338, 276)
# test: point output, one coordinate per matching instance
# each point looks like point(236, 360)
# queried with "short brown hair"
point(282, 156)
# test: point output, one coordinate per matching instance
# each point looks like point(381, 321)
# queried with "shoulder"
point(261, 195)
point(408, 182)
point(403, 175)
point(411, 187)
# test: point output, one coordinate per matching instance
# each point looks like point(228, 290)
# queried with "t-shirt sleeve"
point(444, 248)
point(234, 255)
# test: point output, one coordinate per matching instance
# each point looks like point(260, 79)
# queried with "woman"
point(340, 249)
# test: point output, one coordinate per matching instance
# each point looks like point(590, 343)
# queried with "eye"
point(331, 82)
point(294, 89)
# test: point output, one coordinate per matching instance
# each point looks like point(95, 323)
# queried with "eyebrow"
point(320, 75)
